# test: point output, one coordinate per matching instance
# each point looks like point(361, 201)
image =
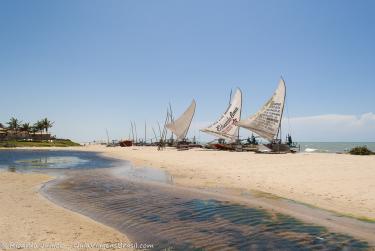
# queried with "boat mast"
point(238, 128)
point(189, 125)
point(145, 132)
point(172, 120)
point(159, 130)
point(164, 134)
point(136, 134)
point(107, 136)
point(229, 102)
point(282, 111)
point(156, 138)
point(230, 96)
point(131, 124)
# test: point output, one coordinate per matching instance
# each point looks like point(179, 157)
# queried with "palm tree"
point(14, 124)
point(47, 124)
point(25, 127)
point(34, 129)
point(39, 126)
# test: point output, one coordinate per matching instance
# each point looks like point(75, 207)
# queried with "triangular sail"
point(266, 122)
point(181, 125)
point(225, 126)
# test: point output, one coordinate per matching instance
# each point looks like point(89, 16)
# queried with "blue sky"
point(92, 65)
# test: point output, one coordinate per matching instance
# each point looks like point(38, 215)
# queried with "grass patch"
point(360, 218)
point(258, 194)
point(53, 143)
point(261, 194)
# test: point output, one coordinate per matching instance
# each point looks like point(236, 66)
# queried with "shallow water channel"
point(144, 204)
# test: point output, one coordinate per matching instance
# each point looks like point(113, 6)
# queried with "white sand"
point(26, 218)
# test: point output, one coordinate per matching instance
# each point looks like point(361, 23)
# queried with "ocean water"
point(145, 205)
point(327, 147)
point(333, 147)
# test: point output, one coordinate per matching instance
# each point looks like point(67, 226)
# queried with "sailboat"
point(267, 121)
point(180, 126)
point(130, 140)
point(225, 128)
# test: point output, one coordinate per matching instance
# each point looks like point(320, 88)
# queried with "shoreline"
point(168, 192)
point(28, 218)
point(339, 183)
point(334, 182)
point(202, 174)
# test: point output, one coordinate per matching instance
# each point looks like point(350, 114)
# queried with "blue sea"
point(333, 147)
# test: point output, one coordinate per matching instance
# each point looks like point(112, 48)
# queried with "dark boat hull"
point(126, 143)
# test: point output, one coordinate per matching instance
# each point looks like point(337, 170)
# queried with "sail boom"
point(224, 136)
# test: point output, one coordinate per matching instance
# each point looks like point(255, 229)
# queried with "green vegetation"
point(18, 134)
point(51, 143)
point(16, 126)
point(361, 150)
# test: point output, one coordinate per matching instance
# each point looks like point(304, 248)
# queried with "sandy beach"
point(29, 219)
point(338, 182)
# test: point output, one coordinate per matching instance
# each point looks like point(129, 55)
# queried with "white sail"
point(181, 125)
point(266, 122)
point(225, 126)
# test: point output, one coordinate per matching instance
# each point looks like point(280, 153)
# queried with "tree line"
point(16, 125)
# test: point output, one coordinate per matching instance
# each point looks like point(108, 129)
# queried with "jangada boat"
point(180, 128)
point(225, 128)
point(267, 123)
point(126, 143)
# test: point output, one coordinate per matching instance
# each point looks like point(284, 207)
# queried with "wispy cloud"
point(333, 127)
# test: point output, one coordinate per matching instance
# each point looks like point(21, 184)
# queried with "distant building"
point(3, 133)
point(6, 134)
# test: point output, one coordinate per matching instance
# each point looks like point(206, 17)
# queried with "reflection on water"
point(50, 161)
point(142, 174)
point(171, 217)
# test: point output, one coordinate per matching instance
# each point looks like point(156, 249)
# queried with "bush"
point(7, 144)
point(360, 150)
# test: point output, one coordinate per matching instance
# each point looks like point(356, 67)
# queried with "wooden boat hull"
point(225, 147)
point(274, 148)
point(126, 143)
point(187, 146)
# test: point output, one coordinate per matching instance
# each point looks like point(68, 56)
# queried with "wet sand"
point(28, 218)
point(337, 182)
point(188, 219)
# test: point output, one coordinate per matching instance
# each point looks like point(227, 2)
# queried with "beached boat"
point(126, 143)
point(180, 126)
point(267, 122)
point(225, 128)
